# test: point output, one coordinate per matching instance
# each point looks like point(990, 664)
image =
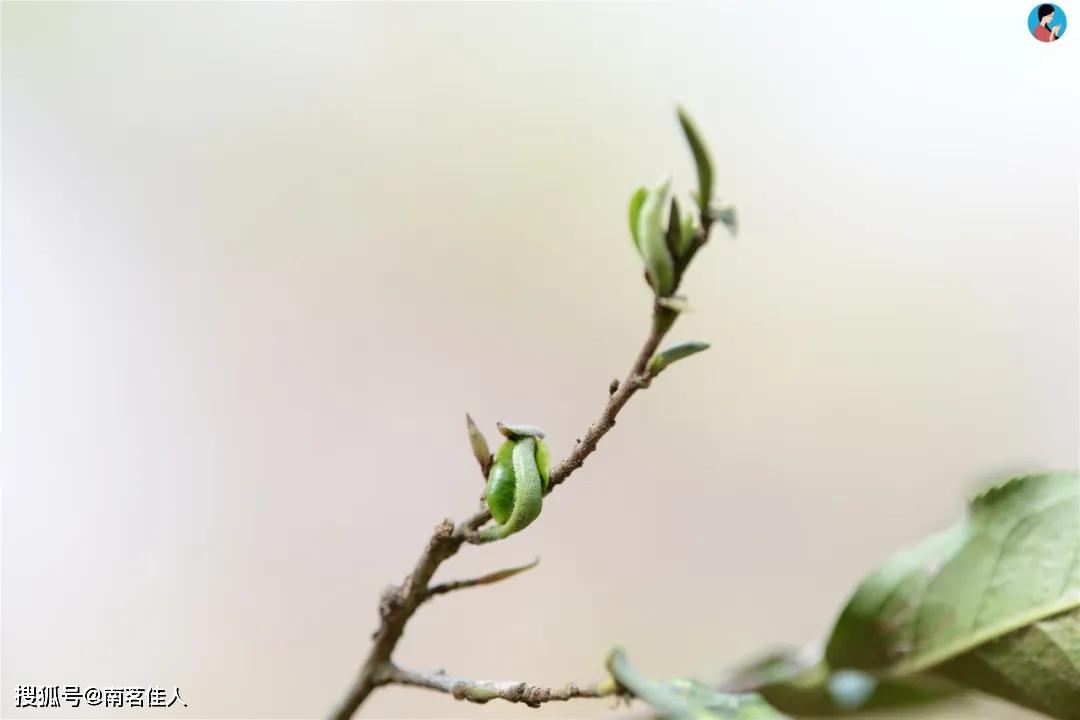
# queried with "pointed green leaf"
point(673, 353)
point(702, 162)
point(636, 200)
point(990, 603)
point(674, 230)
point(652, 234)
point(479, 444)
point(500, 575)
point(686, 699)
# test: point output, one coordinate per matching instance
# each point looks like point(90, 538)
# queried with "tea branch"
point(482, 691)
point(666, 250)
point(399, 602)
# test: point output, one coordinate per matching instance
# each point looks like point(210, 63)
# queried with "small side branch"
point(489, 579)
point(482, 691)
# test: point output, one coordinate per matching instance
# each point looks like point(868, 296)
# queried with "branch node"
point(443, 530)
point(389, 600)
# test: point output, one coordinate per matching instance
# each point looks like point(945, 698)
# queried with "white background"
point(259, 259)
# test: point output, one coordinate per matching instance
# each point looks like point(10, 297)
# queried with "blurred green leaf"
point(802, 685)
point(1037, 666)
point(727, 216)
point(687, 699)
point(636, 200)
point(990, 603)
point(702, 162)
point(674, 353)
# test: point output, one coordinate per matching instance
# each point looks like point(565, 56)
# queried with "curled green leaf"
point(479, 445)
point(516, 484)
point(652, 238)
point(702, 162)
point(674, 353)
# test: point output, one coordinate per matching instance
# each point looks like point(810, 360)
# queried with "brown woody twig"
point(482, 691)
point(399, 602)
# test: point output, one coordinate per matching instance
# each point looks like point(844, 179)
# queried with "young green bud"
point(652, 236)
point(517, 482)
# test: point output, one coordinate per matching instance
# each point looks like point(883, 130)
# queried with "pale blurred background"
point(259, 259)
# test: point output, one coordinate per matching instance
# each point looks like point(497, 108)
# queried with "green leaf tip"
point(702, 161)
point(479, 445)
point(674, 353)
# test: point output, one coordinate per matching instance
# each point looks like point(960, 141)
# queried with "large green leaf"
point(686, 699)
point(990, 603)
point(1037, 666)
point(801, 684)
